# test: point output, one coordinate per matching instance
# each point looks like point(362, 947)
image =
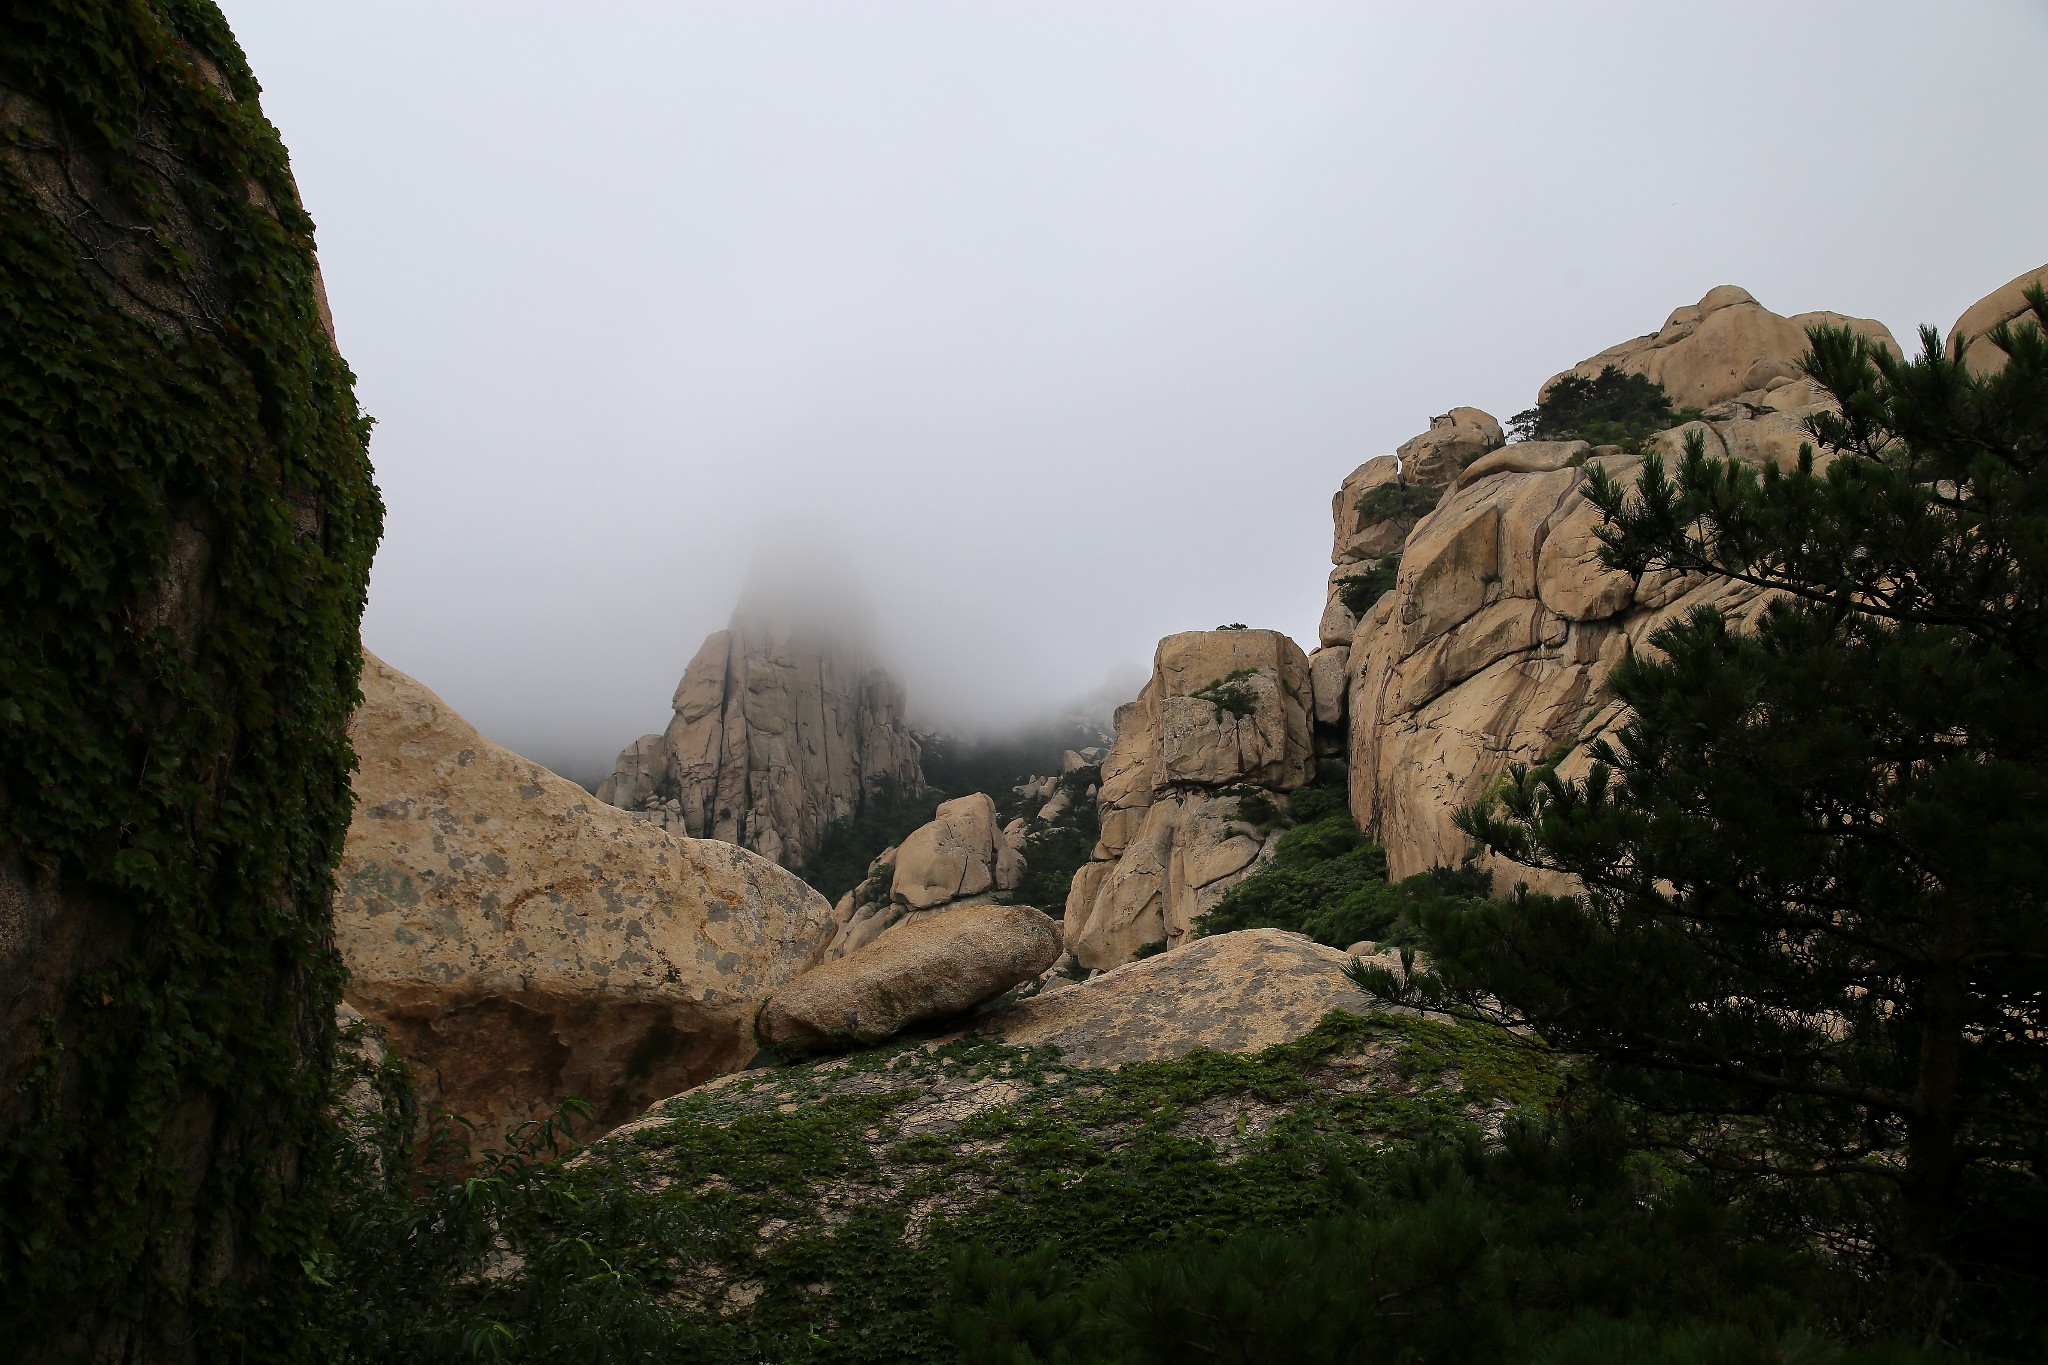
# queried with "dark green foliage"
point(1613, 409)
point(1397, 502)
point(958, 766)
point(189, 522)
point(1053, 850)
point(1814, 934)
point(1555, 1245)
point(1359, 591)
point(1230, 694)
point(1327, 880)
point(813, 1191)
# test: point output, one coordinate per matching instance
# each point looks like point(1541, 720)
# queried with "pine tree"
point(1811, 944)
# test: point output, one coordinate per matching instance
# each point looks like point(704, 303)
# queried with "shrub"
point(1397, 502)
point(1231, 693)
point(1359, 591)
point(1613, 409)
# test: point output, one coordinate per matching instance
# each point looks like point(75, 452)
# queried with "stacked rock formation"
point(1495, 643)
point(1225, 713)
point(781, 726)
point(959, 858)
point(519, 942)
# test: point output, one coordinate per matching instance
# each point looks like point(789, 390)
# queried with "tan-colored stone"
point(519, 941)
point(1973, 329)
point(781, 726)
point(1232, 993)
point(932, 967)
point(954, 857)
point(1327, 679)
point(1722, 346)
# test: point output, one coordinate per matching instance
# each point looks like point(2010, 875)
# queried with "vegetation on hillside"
point(954, 766)
point(1813, 940)
point(1613, 408)
point(1359, 591)
point(1327, 880)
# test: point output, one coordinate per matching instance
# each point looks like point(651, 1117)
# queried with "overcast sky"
point(1052, 325)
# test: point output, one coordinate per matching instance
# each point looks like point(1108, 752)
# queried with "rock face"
point(1975, 325)
point(1496, 642)
point(1725, 345)
point(959, 856)
point(781, 726)
point(518, 941)
point(1232, 993)
point(1380, 502)
point(929, 968)
point(1226, 712)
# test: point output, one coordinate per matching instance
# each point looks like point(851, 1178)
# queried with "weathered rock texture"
point(960, 857)
point(519, 941)
point(1231, 993)
point(1725, 345)
point(1497, 640)
point(1369, 525)
point(1171, 841)
point(932, 967)
point(1976, 324)
point(781, 726)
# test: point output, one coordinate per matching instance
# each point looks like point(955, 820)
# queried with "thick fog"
point(1051, 327)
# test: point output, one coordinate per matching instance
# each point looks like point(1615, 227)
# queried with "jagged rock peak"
point(783, 723)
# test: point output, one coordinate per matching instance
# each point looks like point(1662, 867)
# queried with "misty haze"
point(1049, 328)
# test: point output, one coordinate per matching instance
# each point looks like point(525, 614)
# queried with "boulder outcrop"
point(932, 967)
point(1379, 503)
point(1495, 644)
point(518, 941)
point(1225, 713)
point(1231, 993)
point(1725, 345)
point(959, 857)
point(1975, 326)
point(781, 726)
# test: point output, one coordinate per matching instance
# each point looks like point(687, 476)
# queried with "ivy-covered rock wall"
point(188, 523)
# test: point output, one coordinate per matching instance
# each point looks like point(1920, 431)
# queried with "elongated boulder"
point(927, 968)
point(1232, 993)
point(519, 941)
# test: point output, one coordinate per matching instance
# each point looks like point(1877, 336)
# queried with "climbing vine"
point(189, 519)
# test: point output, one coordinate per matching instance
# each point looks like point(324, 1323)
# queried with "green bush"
point(1328, 881)
point(1613, 409)
point(1359, 591)
point(1397, 502)
point(1230, 693)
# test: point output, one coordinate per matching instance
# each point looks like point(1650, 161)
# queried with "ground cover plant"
point(1327, 879)
point(813, 1212)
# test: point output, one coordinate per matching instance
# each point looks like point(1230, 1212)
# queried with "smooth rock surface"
point(1232, 993)
point(928, 968)
point(959, 855)
point(519, 941)
point(2003, 304)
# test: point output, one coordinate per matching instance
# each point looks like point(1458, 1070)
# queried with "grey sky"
point(1055, 325)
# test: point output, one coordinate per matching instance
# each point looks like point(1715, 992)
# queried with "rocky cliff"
point(782, 724)
point(1494, 642)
